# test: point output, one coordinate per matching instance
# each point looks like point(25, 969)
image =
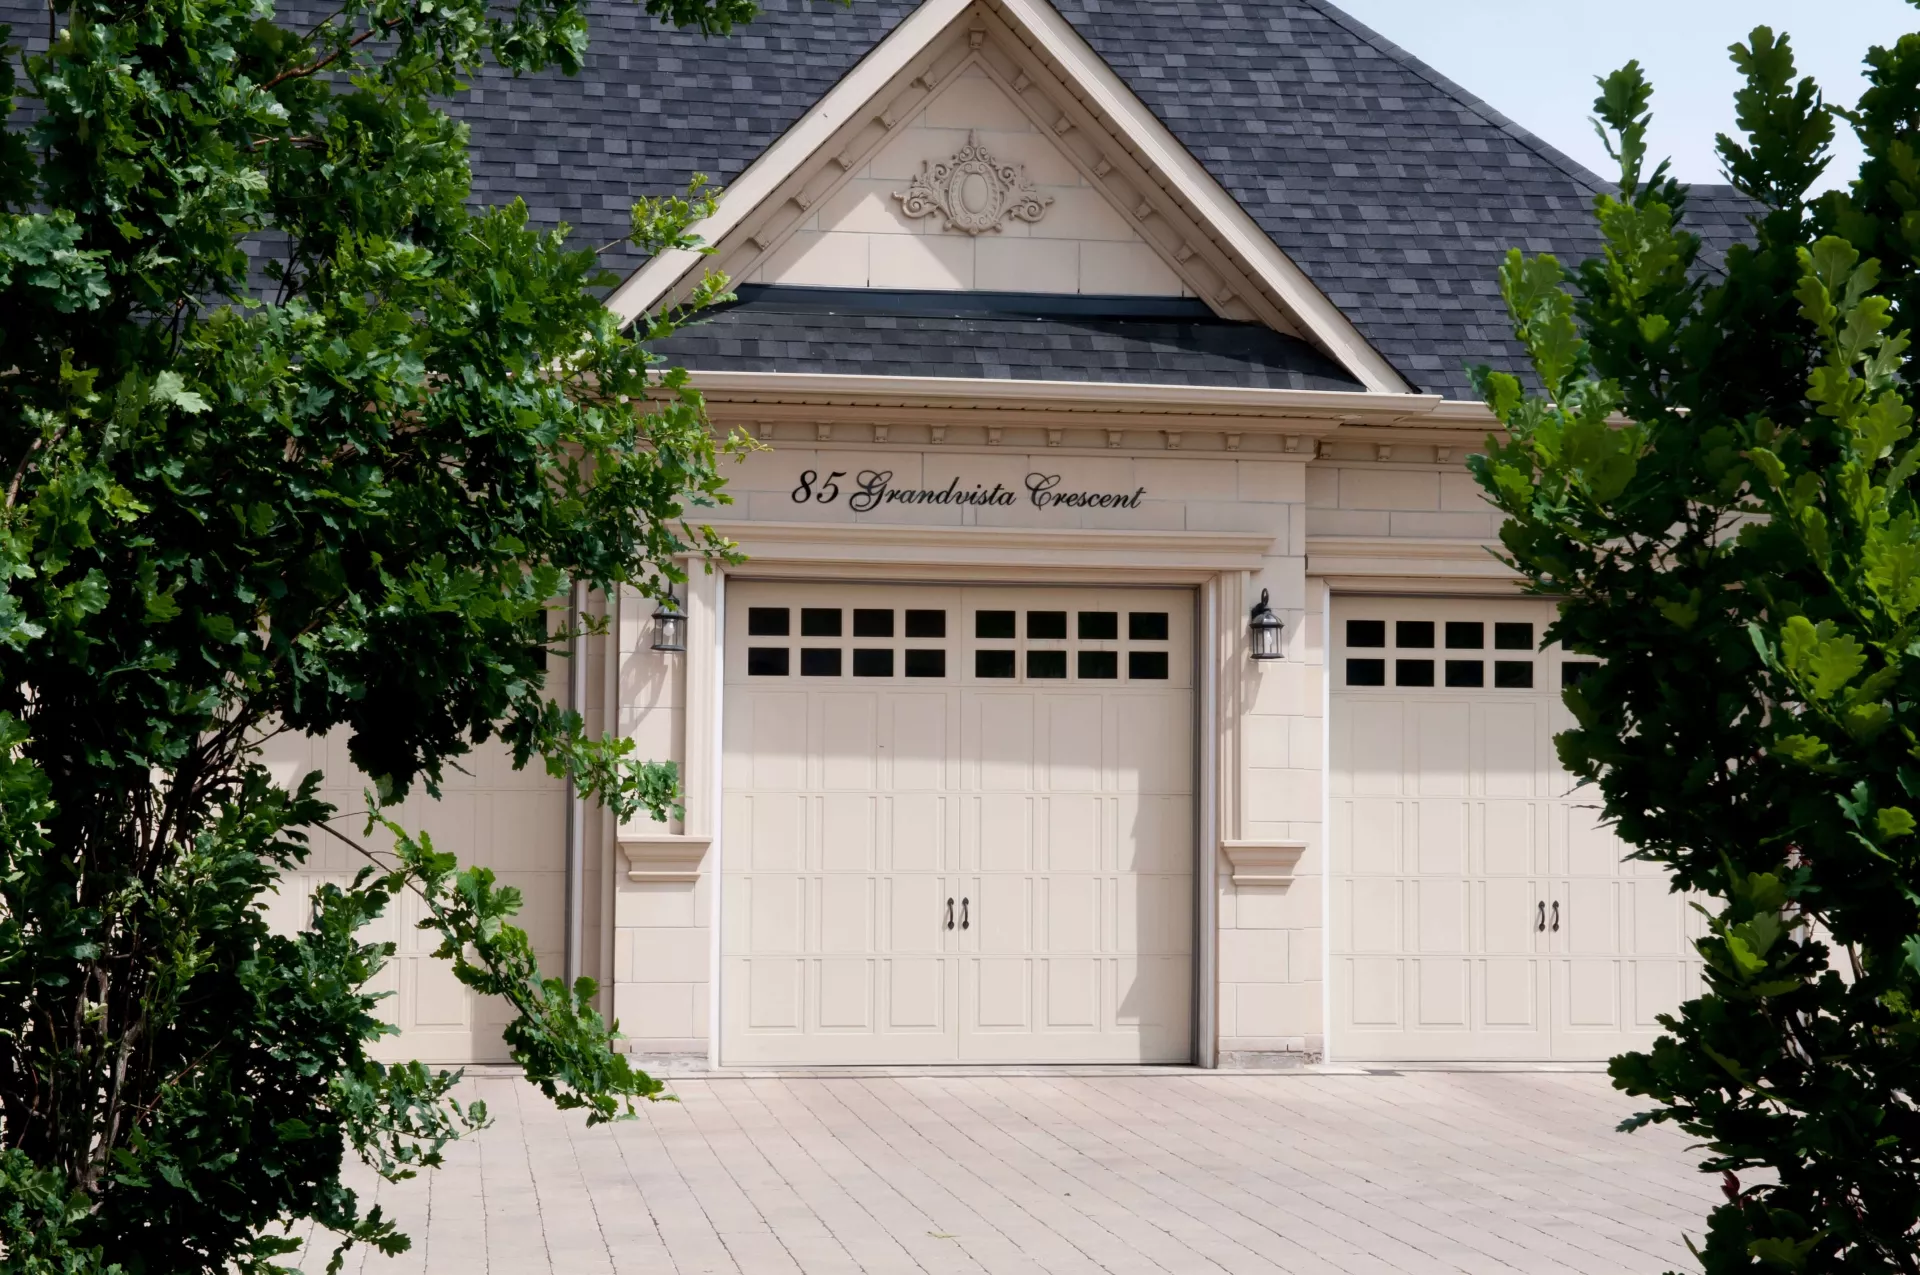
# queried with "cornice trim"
point(1409, 556)
point(1330, 408)
point(1009, 548)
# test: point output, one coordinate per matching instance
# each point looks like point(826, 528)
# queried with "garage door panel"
point(1054, 812)
point(916, 911)
point(918, 747)
point(1373, 829)
point(1510, 738)
point(847, 832)
point(774, 904)
point(776, 831)
point(916, 996)
point(1470, 861)
point(1511, 994)
point(1003, 743)
point(1508, 914)
point(1003, 832)
point(1153, 834)
point(1373, 991)
point(1374, 906)
point(1443, 914)
point(1442, 739)
point(847, 910)
point(1441, 995)
point(1374, 731)
point(1074, 839)
point(1072, 993)
point(1442, 828)
point(773, 992)
point(1155, 744)
point(916, 832)
point(846, 994)
point(1509, 840)
point(1002, 994)
point(1072, 907)
point(778, 757)
point(1075, 743)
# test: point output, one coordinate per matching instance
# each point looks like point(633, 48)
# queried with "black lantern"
point(669, 625)
point(1263, 627)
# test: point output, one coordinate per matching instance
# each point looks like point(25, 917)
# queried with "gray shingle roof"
point(1394, 189)
point(1010, 337)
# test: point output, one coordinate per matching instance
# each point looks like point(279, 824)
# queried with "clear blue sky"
point(1535, 60)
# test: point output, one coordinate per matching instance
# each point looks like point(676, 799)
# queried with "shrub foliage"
point(292, 437)
point(1715, 473)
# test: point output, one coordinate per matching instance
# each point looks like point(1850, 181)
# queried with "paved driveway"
point(1065, 1173)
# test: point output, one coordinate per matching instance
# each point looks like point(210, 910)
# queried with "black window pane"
point(1414, 633)
point(1367, 672)
point(1046, 664)
point(1513, 675)
point(1104, 664)
point(1466, 635)
point(873, 663)
point(1366, 633)
point(1099, 626)
point(1147, 666)
point(1413, 672)
point(767, 622)
point(1573, 670)
point(1513, 637)
point(1146, 626)
point(925, 624)
point(820, 661)
point(993, 624)
point(993, 663)
point(927, 663)
point(1466, 673)
point(872, 623)
point(1047, 624)
point(766, 661)
point(819, 622)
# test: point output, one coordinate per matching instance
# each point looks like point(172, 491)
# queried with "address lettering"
point(873, 488)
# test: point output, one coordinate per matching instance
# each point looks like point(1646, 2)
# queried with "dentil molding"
point(973, 191)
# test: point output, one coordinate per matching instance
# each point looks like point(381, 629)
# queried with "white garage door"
point(958, 824)
point(1480, 911)
point(490, 816)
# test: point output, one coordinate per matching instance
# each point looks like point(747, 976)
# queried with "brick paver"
point(1061, 1173)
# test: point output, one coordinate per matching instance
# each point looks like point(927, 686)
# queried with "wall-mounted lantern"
point(669, 625)
point(1263, 628)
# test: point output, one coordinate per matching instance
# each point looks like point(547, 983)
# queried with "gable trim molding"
point(1037, 27)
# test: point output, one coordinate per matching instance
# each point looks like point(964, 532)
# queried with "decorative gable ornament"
point(973, 191)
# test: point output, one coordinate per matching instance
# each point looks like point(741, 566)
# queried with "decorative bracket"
point(663, 856)
point(1263, 862)
point(973, 191)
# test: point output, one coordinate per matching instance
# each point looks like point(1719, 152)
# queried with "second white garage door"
point(1480, 909)
point(958, 825)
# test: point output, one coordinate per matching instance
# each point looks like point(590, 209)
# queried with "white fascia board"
point(1064, 395)
point(646, 286)
point(1162, 151)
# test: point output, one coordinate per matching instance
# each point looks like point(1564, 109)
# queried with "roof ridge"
point(1519, 132)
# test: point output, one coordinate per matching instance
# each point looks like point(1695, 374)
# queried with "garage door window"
point(887, 642)
point(1406, 654)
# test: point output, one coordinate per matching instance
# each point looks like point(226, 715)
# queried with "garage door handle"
point(1541, 928)
point(1556, 916)
point(963, 914)
point(949, 914)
